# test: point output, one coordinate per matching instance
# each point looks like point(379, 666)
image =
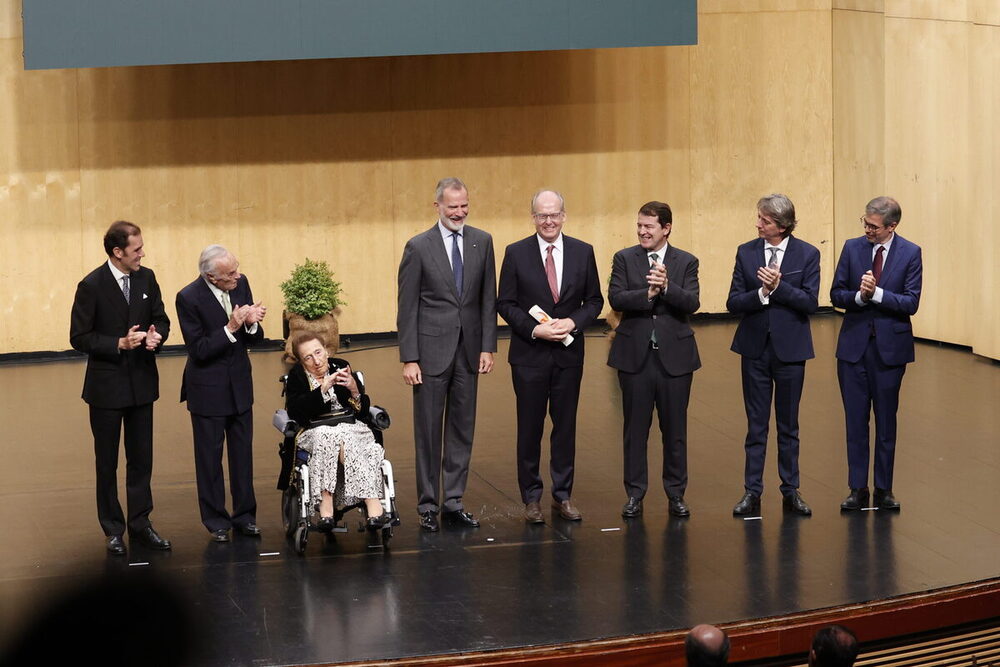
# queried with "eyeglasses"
point(543, 217)
point(869, 226)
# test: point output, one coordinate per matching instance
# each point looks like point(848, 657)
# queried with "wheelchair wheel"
point(301, 537)
point(291, 509)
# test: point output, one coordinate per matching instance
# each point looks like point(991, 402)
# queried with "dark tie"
point(125, 289)
point(877, 264)
point(772, 263)
point(550, 273)
point(652, 260)
point(456, 262)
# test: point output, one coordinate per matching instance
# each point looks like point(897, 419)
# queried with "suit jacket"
point(901, 281)
point(431, 316)
point(786, 318)
point(218, 380)
point(523, 284)
point(117, 378)
point(668, 312)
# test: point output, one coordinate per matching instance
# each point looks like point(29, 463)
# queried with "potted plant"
point(312, 302)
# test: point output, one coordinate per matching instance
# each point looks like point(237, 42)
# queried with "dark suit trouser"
point(444, 418)
point(865, 386)
point(536, 388)
point(652, 386)
point(209, 434)
point(106, 425)
point(763, 378)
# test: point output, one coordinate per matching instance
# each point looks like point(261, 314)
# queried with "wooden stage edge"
point(756, 639)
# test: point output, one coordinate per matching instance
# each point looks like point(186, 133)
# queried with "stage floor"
point(508, 584)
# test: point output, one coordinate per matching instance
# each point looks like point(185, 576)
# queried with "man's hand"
point(550, 330)
point(257, 313)
point(238, 318)
point(485, 362)
point(411, 373)
point(132, 339)
point(657, 280)
point(153, 338)
point(769, 278)
point(867, 288)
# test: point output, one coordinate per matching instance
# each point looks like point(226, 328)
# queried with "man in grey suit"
point(446, 317)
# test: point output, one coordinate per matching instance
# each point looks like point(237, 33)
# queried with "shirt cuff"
point(252, 329)
point(229, 334)
point(765, 300)
point(877, 296)
point(858, 300)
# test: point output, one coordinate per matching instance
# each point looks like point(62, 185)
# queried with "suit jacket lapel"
point(570, 262)
point(470, 261)
point(890, 259)
point(113, 292)
point(791, 257)
point(435, 246)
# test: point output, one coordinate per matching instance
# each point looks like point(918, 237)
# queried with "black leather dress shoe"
point(460, 519)
point(749, 504)
point(249, 529)
point(632, 508)
point(857, 499)
point(678, 507)
point(429, 521)
point(220, 535)
point(793, 503)
point(116, 545)
point(884, 500)
point(148, 538)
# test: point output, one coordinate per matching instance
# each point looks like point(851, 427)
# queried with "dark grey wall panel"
point(102, 33)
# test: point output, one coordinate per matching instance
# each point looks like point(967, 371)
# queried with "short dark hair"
point(659, 210)
point(887, 207)
point(834, 646)
point(299, 338)
point(118, 235)
point(779, 208)
point(700, 655)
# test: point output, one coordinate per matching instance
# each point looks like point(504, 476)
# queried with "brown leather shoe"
point(566, 510)
point(533, 512)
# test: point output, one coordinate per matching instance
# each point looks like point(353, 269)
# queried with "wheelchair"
point(295, 510)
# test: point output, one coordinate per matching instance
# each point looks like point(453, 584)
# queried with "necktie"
point(456, 262)
point(652, 335)
point(550, 273)
point(125, 289)
point(772, 262)
point(227, 304)
point(877, 264)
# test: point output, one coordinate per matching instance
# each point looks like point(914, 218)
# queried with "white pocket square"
point(144, 296)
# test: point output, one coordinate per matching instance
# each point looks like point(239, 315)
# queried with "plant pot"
point(325, 325)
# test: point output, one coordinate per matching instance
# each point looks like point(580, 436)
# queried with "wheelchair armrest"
point(378, 418)
point(285, 425)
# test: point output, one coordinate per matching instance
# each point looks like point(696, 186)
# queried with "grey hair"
point(887, 207)
point(450, 183)
point(781, 209)
point(562, 202)
point(210, 257)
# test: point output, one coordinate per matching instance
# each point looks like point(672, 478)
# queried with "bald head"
point(706, 646)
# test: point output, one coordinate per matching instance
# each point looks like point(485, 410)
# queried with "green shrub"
point(311, 290)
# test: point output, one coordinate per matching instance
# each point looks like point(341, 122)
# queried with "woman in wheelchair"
point(323, 396)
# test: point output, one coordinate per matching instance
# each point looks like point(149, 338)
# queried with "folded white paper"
point(542, 317)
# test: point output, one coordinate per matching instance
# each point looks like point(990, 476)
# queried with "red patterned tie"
point(550, 273)
point(877, 264)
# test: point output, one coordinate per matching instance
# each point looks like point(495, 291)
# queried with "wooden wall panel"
point(761, 122)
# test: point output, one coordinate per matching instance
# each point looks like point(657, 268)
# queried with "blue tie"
point(456, 262)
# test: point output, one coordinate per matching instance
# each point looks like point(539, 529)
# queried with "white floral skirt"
point(361, 475)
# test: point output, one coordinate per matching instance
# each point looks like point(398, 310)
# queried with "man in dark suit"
point(655, 286)
point(446, 318)
point(877, 283)
point(220, 320)
point(558, 274)
point(774, 289)
point(118, 320)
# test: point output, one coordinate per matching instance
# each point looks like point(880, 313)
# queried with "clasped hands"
point(867, 288)
point(656, 279)
point(344, 378)
point(769, 279)
point(554, 330)
point(134, 338)
point(246, 315)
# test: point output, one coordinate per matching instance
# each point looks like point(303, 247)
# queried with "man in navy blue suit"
point(558, 274)
point(220, 320)
point(877, 283)
point(774, 289)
